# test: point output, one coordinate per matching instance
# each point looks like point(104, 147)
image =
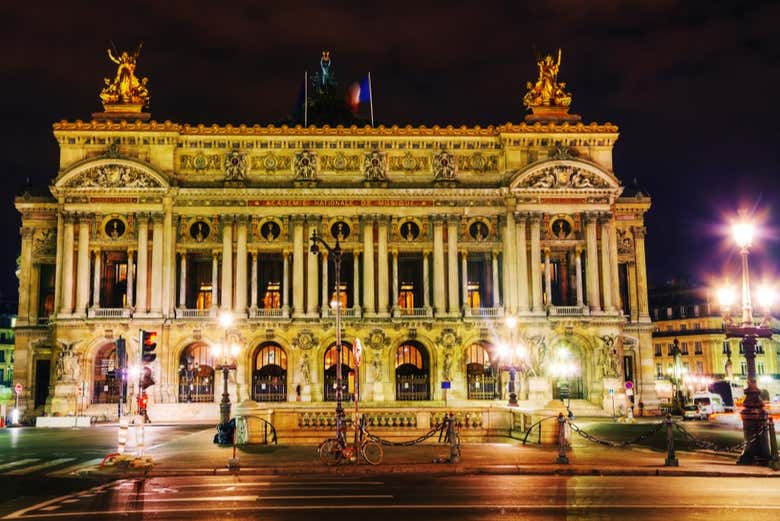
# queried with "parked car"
point(693, 412)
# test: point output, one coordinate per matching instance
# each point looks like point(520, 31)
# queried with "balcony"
point(345, 313)
point(567, 311)
point(413, 312)
point(198, 314)
point(266, 313)
point(109, 313)
point(484, 312)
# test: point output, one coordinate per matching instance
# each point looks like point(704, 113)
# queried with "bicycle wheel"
point(372, 452)
point(330, 452)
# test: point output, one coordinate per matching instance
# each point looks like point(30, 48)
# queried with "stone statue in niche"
point(304, 370)
point(68, 367)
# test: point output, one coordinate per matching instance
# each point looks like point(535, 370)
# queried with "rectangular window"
point(406, 296)
point(683, 327)
point(670, 350)
point(659, 370)
point(272, 299)
point(697, 325)
point(473, 297)
point(668, 312)
point(697, 348)
point(760, 368)
point(2, 356)
point(743, 367)
point(699, 367)
point(741, 348)
point(684, 348)
point(658, 351)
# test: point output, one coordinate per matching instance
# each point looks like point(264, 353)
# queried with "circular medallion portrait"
point(340, 230)
point(270, 230)
point(115, 228)
point(200, 231)
point(561, 228)
point(410, 230)
point(479, 230)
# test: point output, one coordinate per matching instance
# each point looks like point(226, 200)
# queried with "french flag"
point(359, 92)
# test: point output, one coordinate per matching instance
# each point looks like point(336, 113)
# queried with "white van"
point(709, 403)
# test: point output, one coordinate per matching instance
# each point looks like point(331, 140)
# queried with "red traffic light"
point(149, 344)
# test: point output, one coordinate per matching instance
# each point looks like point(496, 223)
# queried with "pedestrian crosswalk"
point(56, 467)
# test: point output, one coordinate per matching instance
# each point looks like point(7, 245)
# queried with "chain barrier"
point(642, 437)
point(707, 445)
point(439, 427)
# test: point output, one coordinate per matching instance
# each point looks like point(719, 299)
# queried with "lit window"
point(342, 296)
point(473, 288)
point(204, 297)
point(406, 296)
point(273, 296)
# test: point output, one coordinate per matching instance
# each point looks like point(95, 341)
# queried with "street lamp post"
point(225, 354)
point(754, 417)
point(676, 375)
point(510, 355)
point(335, 254)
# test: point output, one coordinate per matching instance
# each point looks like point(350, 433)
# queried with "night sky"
point(692, 85)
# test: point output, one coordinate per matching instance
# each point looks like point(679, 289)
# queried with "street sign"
point(445, 385)
point(18, 388)
point(611, 390)
point(629, 384)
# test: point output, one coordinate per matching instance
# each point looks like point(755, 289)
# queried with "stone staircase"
point(584, 408)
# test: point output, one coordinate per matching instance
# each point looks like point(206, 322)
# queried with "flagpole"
point(371, 99)
point(305, 99)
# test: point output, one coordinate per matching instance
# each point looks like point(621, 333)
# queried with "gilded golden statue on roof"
point(547, 91)
point(125, 89)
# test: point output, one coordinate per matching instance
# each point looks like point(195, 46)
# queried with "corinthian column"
point(312, 270)
point(548, 277)
point(395, 282)
point(297, 275)
point(592, 266)
point(130, 279)
point(183, 280)
point(536, 262)
point(157, 263)
point(496, 286)
point(426, 280)
point(254, 282)
point(241, 259)
point(606, 269)
point(368, 265)
point(522, 264)
point(510, 263)
point(452, 264)
point(285, 283)
point(214, 281)
point(578, 268)
point(96, 279)
point(67, 267)
point(141, 302)
point(325, 296)
point(382, 271)
point(641, 272)
point(227, 262)
point(464, 270)
point(82, 294)
point(438, 265)
point(356, 280)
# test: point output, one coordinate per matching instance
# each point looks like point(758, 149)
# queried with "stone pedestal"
point(379, 392)
point(539, 390)
point(306, 393)
point(65, 399)
point(550, 426)
point(618, 394)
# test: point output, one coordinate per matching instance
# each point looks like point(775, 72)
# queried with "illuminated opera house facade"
point(470, 255)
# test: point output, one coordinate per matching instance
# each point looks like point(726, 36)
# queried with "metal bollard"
point(671, 459)
point(562, 458)
point(454, 448)
point(774, 460)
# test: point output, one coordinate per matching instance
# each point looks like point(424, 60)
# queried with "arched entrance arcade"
point(196, 374)
point(107, 382)
point(269, 373)
point(482, 372)
point(347, 371)
point(412, 372)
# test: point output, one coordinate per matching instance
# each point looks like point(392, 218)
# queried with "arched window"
point(481, 373)
point(106, 386)
point(269, 374)
point(196, 374)
point(412, 372)
point(347, 371)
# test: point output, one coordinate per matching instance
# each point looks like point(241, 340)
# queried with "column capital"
point(547, 251)
point(181, 251)
point(95, 249)
point(255, 254)
point(426, 253)
point(142, 217)
point(130, 251)
point(86, 217)
point(579, 249)
point(590, 217)
point(535, 217)
point(27, 232)
point(639, 232)
point(297, 218)
point(521, 217)
point(313, 218)
point(216, 252)
point(438, 219)
point(68, 217)
point(242, 219)
point(453, 219)
point(394, 252)
point(605, 217)
point(368, 219)
point(495, 252)
point(228, 219)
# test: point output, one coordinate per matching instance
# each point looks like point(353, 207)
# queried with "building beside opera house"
point(470, 255)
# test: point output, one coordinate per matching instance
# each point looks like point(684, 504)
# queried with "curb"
point(434, 469)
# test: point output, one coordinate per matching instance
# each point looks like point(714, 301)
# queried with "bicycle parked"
point(335, 450)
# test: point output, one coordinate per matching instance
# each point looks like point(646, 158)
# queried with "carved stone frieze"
point(199, 162)
point(448, 338)
point(341, 162)
point(563, 176)
point(271, 162)
point(625, 243)
point(408, 163)
point(45, 243)
point(375, 166)
point(305, 166)
point(377, 339)
point(305, 340)
point(478, 162)
point(113, 176)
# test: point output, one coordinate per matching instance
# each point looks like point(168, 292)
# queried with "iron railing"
point(412, 388)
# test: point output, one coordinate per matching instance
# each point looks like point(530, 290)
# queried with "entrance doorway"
point(269, 374)
point(412, 372)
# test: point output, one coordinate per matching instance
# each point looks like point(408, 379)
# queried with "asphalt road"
point(417, 497)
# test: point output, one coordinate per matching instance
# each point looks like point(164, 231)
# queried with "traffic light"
point(149, 345)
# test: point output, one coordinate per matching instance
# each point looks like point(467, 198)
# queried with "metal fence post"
point(774, 461)
point(671, 459)
point(562, 458)
point(454, 448)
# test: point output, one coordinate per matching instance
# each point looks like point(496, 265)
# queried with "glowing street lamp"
point(513, 356)
point(225, 353)
point(754, 417)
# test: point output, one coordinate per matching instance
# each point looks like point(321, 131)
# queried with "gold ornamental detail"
point(125, 88)
point(199, 162)
point(547, 91)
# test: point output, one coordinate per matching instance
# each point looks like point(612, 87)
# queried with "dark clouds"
point(691, 84)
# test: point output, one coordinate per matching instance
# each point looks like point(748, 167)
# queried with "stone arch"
point(581, 349)
point(481, 369)
point(197, 373)
point(270, 367)
point(330, 360)
point(413, 369)
point(564, 175)
point(112, 173)
point(104, 374)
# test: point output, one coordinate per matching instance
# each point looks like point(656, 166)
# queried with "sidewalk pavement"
point(195, 454)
